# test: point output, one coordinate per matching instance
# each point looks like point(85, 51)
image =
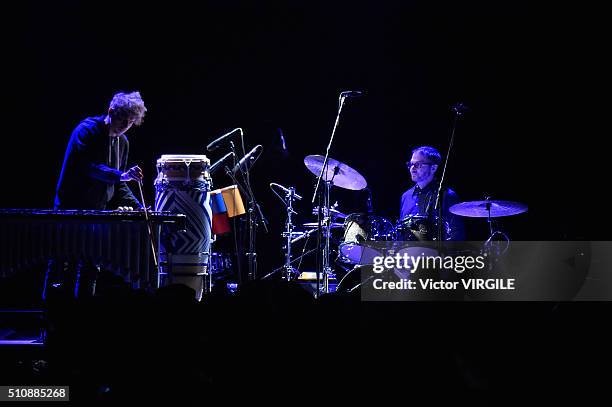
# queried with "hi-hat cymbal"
point(346, 177)
point(480, 209)
point(335, 213)
point(316, 225)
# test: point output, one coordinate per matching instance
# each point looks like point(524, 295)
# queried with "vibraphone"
point(119, 240)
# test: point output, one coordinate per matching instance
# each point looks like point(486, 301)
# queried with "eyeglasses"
point(417, 164)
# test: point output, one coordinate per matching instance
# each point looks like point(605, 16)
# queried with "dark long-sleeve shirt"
point(91, 173)
point(417, 201)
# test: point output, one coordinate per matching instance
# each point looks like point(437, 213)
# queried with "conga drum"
point(183, 186)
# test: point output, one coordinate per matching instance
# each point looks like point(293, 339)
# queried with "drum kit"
point(359, 230)
point(184, 181)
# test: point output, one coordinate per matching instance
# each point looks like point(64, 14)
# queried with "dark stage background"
point(529, 74)
point(204, 68)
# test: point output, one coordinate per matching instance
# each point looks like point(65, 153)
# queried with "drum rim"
point(404, 221)
point(348, 217)
point(183, 159)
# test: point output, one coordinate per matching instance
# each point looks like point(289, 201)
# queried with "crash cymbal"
point(346, 177)
point(316, 225)
point(480, 209)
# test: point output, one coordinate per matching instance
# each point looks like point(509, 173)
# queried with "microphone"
point(290, 191)
point(216, 165)
point(248, 160)
point(215, 144)
point(351, 93)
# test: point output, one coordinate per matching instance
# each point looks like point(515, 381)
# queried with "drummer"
point(421, 198)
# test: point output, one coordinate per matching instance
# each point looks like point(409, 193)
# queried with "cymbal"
point(345, 178)
point(479, 209)
point(335, 213)
point(316, 225)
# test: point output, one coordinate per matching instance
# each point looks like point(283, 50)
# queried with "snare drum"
point(360, 228)
point(420, 227)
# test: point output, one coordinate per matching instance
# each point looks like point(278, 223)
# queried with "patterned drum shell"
point(184, 255)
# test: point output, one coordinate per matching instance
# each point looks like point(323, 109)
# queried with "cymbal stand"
point(328, 271)
point(489, 221)
point(289, 272)
point(489, 242)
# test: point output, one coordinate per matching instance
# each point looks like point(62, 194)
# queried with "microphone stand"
point(458, 109)
point(326, 194)
point(325, 161)
point(237, 242)
point(255, 215)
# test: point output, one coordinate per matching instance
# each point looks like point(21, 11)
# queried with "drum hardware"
point(324, 222)
point(335, 213)
point(289, 272)
point(302, 235)
point(296, 259)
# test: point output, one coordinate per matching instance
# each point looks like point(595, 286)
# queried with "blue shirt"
point(417, 201)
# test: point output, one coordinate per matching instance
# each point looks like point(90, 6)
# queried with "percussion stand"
point(327, 269)
point(290, 273)
point(493, 232)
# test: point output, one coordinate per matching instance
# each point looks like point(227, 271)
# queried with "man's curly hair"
point(129, 105)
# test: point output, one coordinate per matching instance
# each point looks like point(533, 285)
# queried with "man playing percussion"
point(420, 200)
point(94, 176)
point(94, 173)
